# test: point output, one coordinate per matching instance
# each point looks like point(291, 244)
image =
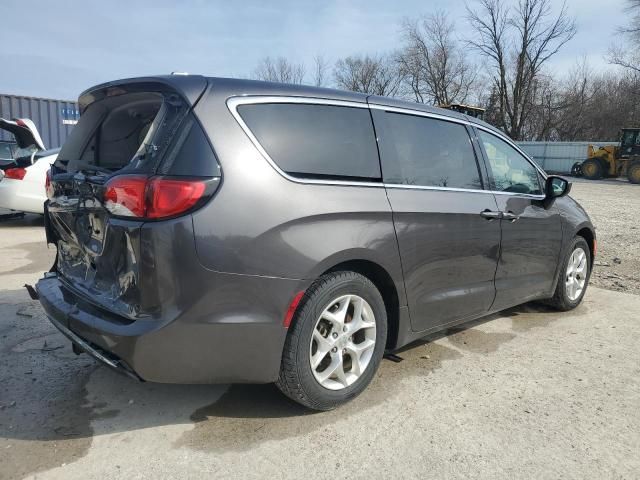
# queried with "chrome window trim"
point(467, 190)
point(461, 121)
point(434, 187)
point(419, 113)
point(234, 102)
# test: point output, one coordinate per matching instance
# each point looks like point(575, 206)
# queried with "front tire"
point(574, 279)
point(335, 342)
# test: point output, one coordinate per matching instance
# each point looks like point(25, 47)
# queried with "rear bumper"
point(234, 342)
point(96, 352)
point(22, 196)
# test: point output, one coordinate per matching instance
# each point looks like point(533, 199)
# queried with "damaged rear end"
point(137, 158)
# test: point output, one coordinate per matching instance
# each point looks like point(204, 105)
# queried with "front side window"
point(510, 171)
point(316, 141)
point(425, 151)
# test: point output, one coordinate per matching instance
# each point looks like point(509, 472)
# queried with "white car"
point(23, 177)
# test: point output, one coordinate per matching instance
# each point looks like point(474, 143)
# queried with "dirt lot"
point(528, 393)
point(614, 207)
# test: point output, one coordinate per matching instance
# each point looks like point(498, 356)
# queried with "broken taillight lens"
point(156, 197)
point(48, 187)
point(125, 195)
point(15, 173)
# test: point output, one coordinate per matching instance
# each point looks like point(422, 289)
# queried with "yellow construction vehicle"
point(613, 160)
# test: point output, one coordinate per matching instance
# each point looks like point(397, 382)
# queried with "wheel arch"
point(590, 238)
point(383, 281)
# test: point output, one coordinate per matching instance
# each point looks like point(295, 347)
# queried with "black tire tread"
point(288, 380)
point(559, 301)
point(600, 171)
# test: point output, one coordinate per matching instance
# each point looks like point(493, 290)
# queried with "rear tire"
point(353, 350)
point(574, 277)
point(592, 169)
point(633, 172)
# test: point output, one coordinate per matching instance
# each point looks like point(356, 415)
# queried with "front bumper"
point(220, 347)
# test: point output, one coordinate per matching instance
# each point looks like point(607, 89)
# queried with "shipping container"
point(54, 118)
point(559, 157)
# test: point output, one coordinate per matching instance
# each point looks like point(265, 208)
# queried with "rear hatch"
point(27, 143)
point(137, 155)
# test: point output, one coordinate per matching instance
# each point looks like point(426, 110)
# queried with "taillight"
point(155, 197)
point(15, 173)
point(125, 195)
point(169, 197)
point(47, 185)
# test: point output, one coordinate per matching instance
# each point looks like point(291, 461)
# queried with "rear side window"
point(190, 153)
point(425, 151)
point(316, 141)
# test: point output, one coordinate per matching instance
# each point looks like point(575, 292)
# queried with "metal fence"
point(559, 157)
point(54, 118)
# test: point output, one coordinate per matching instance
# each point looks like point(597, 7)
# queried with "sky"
point(58, 49)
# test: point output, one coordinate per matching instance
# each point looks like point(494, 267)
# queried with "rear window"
point(6, 151)
point(316, 141)
point(425, 151)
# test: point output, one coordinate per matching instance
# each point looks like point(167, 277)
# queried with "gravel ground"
point(614, 208)
point(527, 393)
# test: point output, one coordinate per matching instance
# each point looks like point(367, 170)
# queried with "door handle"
point(512, 217)
point(490, 214)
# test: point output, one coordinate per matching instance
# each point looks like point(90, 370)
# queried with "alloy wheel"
point(576, 274)
point(343, 341)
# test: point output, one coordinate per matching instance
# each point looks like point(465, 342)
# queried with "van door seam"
point(393, 220)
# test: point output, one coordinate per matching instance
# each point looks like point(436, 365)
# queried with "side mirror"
point(557, 187)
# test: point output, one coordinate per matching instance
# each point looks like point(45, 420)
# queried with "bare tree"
point(279, 70)
point(572, 109)
point(633, 28)
point(435, 67)
point(628, 57)
point(320, 71)
point(517, 42)
point(376, 75)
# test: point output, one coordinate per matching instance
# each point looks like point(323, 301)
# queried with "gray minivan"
point(225, 230)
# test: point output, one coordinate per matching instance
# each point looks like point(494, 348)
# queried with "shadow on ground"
point(52, 402)
point(17, 220)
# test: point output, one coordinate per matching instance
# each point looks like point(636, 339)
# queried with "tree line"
point(501, 64)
